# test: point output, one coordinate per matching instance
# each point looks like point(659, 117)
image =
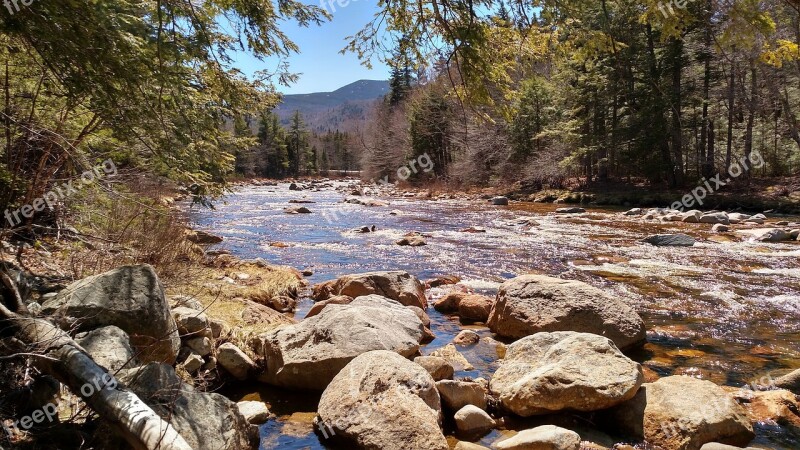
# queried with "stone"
point(297, 210)
point(443, 280)
point(718, 446)
point(573, 210)
point(207, 421)
point(187, 301)
point(473, 421)
point(551, 372)
point(719, 217)
point(308, 355)
point(773, 235)
point(670, 240)
point(458, 394)
point(545, 437)
point(412, 241)
point(193, 363)
point(202, 238)
point(189, 321)
point(235, 361)
point(469, 446)
point(396, 285)
point(438, 367)
point(466, 338)
point(449, 303)
point(108, 346)
point(129, 297)
point(534, 303)
point(335, 300)
point(720, 228)
point(775, 407)
point(634, 212)
point(499, 201)
point(790, 381)
point(692, 216)
point(450, 354)
point(683, 413)
point(256, 413)
point(475, 307)
point(200, 345)
point(381, 400)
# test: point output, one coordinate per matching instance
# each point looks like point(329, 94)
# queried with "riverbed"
point(726, 310)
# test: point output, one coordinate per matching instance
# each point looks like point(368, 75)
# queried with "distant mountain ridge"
point(337, 109)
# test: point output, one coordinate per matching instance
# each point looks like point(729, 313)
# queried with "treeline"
point(543, 91)
point(291, 151)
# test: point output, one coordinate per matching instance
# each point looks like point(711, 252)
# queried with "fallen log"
point(55, 353)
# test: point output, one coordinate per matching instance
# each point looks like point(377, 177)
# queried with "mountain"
point(339, 109)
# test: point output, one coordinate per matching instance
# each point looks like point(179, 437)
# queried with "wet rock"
point(720, 228)
point(473, 421)
point(683, 413)
point(499, 201)
point(309, 354)
point(670, 240)
point(202, 237)
point(443, 280)
point(453, 357)
point(335, 300)
point(794, 235)
point(235, 361)
point(295, 187)
point(281, 303)
point(466, 338)
point(475, 307)
point(380, 400)
point(412, 241)
point(737, 217)
point(474, 230)
point(789, 381)
point(438, 367)
point(550, 372)
point(109, 346)
point(302, 201)
point(779, 407)
point(207, 421)
point(396, 285)
point(458, 394)
point(692, 216)
point(297, 210)
point(634, 212)
point(548, 437)
point(254, 412)
point(534, 303)
point(469, 446)
point(449, 303)
point(773, 235)
point(189, 321)
point(129, 297)
point(718, 446)
point(570, 210)
point(718, 217)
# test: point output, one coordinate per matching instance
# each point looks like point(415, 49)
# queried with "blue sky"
point(321, 65)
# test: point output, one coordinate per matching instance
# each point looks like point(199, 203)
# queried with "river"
point(725, 310)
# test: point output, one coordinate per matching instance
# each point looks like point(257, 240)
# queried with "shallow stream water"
point(725, 310)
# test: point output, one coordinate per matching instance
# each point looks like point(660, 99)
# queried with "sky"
point(322, 67)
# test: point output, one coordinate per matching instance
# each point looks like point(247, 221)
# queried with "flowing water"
point(725, 310)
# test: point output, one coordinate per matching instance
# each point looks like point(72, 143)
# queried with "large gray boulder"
point(397, 285)
point(109, 347)
point(534, 303)
point(683, 413)
point(551, 372)
point(129, 297)
point(309, 354)
point(670, 240)
point(207, 421)
point(545, 437)
point(382, 401)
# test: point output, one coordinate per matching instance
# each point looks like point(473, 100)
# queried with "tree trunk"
point(677, 132)
point(752, 104)
point(707, 169)
point(731, 113)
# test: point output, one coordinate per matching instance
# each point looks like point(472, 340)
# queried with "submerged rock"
point(573, 210)
point(534, 303)
point(309, 354)
point(683, 413)
point(129, 297)
point(551, 372)
point(499, 201)
point(670, 240)
point(396, 285)
point(380, 400)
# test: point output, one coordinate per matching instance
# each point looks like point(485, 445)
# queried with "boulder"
point(670, 240)
point(499, 201)
point(551, 372)
point(235, 361)
point(469, 446)
point(449, 303)
point(775, 407)
point(109, 347)
point(412, 241)
point(683, 413)
point(450, 354)
point(397, 285)
point(718, 446)
point(473, 421)
point(790, 381)
point(720, 228)
point(193, 362)
point(634, 212)
point(200, 345)
point(692, 216)
point(207, 421)
point(380, 400)
point(202, 238)
point(773, 235)
point(534, 303)
point(717, 217)
point(458, 394)
point(309, 354)
point(189, 320)
point(335, 300)
point(737, 217)
point(573, 210)
point(297, 210)
point(439, 368)
point(442, 280)
point(475, 307)
point(129, 297)
point(254, 412)
point(545, 437)
point(466, 338)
